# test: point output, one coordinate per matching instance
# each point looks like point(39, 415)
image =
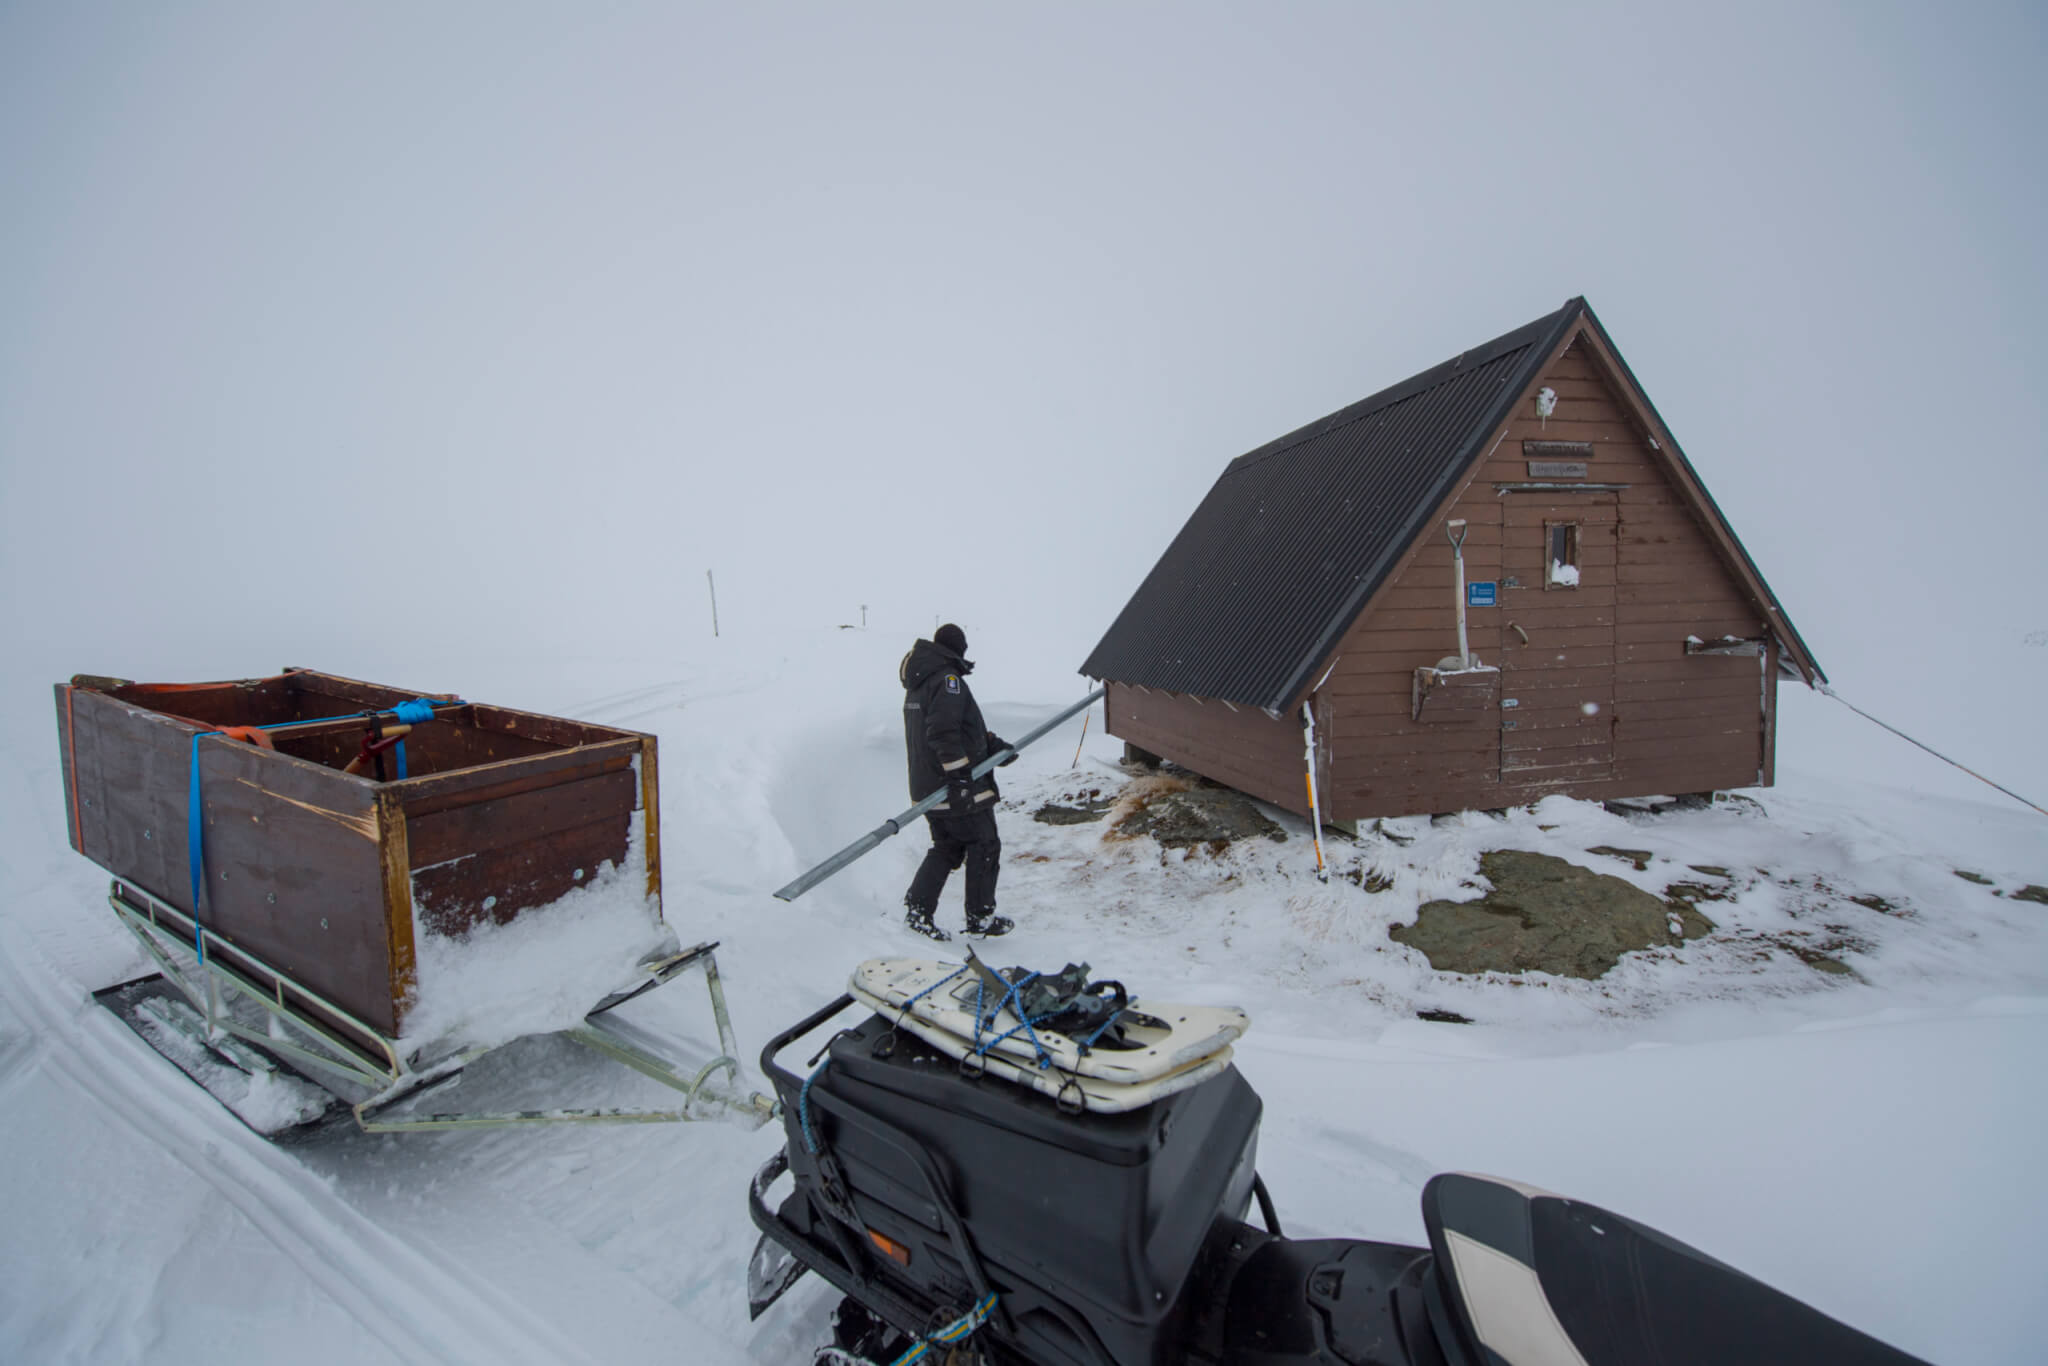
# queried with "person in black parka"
point(944, 737)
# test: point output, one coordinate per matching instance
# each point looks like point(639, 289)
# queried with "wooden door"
point(1557, 637)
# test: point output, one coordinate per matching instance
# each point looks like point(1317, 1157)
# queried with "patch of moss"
point(1545, 914)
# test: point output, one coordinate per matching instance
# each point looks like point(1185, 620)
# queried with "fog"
point(453, 345)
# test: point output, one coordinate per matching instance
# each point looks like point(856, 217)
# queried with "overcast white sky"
point(436, 342)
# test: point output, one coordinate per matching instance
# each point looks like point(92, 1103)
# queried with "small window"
point(1563, 568)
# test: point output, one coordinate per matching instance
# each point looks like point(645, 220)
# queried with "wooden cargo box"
point(329, 876)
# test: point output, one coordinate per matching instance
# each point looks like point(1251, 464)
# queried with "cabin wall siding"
point(1651, 577)
point(1240, 746)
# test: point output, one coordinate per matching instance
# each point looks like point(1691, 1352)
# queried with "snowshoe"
point(989, 925)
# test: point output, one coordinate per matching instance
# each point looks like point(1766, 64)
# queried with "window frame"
point(1575, 542)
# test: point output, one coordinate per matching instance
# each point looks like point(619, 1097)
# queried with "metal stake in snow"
point(1315, 814)
point(894, 825)
point(712, 584)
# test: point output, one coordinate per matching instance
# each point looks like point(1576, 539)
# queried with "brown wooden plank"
point(1745, 745)
point(1769, 772)
point(650, 814)
point(438, 791)
point(1557, 765)
point(1373, 709)
point(1526, 512)
point(553, 730)
point(1729, 706)
point(1649, 730)
point(1583, 427)
point(359, 694)
point(66, 747)
point(1569, 716)
point(1599, 734)
point(1432, 618)
point(478, 827)
point(401, 955)
point(1631, 691)
point(1449, 743)
point(1531, 660)
point(1669, 661)
point(1547, 637)
point(1663, 652)
point(1557, 612)
point(455, 897)
point(1674, 633)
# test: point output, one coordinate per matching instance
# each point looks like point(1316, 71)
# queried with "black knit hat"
point(951, 637)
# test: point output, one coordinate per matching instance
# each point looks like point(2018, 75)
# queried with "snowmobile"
point(970, 1220)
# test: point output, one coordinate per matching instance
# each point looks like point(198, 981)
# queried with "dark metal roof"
point(1296, 536)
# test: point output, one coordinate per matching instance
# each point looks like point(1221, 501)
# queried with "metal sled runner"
point(251, 1017)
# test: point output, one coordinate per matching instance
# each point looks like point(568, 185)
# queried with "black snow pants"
point(970, 838)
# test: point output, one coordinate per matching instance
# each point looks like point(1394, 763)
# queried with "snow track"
point(420, 1306)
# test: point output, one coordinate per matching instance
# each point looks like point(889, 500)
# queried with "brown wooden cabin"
point(324, 875)
point(1630, 647)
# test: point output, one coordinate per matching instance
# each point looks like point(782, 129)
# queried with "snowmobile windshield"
point(1534, 1279)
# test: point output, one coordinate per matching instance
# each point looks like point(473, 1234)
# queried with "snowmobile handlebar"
point(894, 825)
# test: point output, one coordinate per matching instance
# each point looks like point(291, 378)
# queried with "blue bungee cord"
point(1024, 1022)
point(952, 1332)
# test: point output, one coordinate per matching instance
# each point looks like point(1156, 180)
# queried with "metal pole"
point(1455, 531)
point(1315, 813)
point(894, 825)
point(714, 603)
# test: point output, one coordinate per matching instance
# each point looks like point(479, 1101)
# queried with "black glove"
point(960, 793)
point(996, 745)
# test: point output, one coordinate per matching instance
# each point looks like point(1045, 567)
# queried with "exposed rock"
point(1546, 915)
point(1054, 814)
point(1711, 870)
point(1180, 817)
point(1441, 1017)
point(1372, 880)
point(1639, 857)
point(1686, 894)
point(2031, 892)
point(1977, 878)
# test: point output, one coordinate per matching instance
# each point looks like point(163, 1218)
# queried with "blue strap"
point(415, 711)
point(803, 1106)
point(399, 750)
point(195, 843)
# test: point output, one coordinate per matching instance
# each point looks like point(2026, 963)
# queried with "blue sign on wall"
point(1479, 595)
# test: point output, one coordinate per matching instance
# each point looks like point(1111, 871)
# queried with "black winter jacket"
point(943, 732)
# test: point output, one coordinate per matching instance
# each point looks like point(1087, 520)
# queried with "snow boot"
point(987, 924)
point(919, 919)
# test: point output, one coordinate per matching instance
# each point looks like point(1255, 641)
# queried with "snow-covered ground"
point(1867, 1142)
